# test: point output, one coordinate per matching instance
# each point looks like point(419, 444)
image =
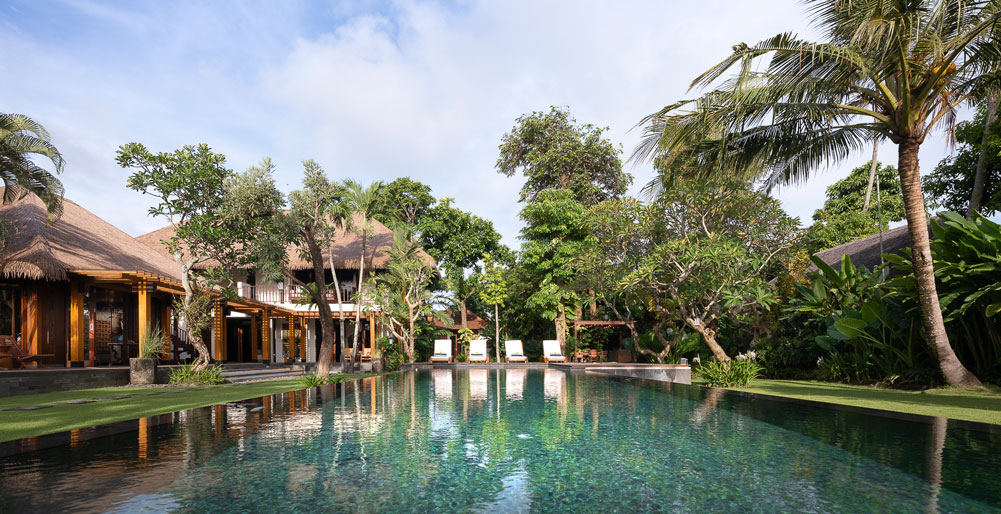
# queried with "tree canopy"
point(950, 185)
point(553, 150)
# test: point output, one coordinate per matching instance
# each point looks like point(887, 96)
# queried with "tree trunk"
point(322, 307)
point(356, 348)
point(663, 353)
point(978, 181)
point(497, 340)
point(561, 327)
point(709, 336)
point(340, 304)
point(409, 341)
point(872, 175)
point(924, 273)
point(194, 332)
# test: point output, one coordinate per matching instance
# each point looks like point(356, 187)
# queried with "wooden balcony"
point(272, 293)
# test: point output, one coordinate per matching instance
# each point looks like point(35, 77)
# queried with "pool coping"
point(56, 439)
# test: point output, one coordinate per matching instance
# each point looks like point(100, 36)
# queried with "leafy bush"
point(461, 357)
point(392, 354)
point(186, 375)
point(312, 380)
point(735, 373)
point(152, 343)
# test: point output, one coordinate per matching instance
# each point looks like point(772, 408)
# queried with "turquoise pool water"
point(514, 440)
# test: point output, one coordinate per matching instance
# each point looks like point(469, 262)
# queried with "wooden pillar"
point(145, 310)
point(168, 342)
point(302, 338)
point(90, 328)
point(371, 334)
point(218, 331)
point(289, 344)
point(266, 336)
point(76, 328)
point(32, 321)
point(255, 353)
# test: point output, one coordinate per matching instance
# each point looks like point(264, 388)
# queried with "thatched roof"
point(79, 240)
point(473, 321)
point(866, 251)
point(346, 248)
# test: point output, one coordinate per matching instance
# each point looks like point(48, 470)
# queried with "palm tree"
point(893, 69)
point(363, 201)
point(22, 138)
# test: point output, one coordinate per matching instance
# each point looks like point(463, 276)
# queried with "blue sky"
point(371, 90)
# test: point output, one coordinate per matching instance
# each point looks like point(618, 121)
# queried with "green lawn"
point(982, 404)
point(60, 416)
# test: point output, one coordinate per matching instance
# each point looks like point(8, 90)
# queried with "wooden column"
point(371, 333)
point(218, 331)
point(255, 353)
point(168, 342)
point(92, 357)
point(266, 336)
point(290, 336)
point(76, 328)
point(145, 310)
point(302, 338)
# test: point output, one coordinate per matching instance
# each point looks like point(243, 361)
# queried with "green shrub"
point(461, 357)
point(736, 373)
point(152, 343)
point(312, 380)
point(392, 354)
point(184, 374)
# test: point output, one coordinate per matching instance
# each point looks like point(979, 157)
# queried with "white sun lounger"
point(551, 351)
point(515, 351)
point(478, 350)
point(442, 350)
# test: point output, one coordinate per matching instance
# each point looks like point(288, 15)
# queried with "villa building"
point(81, 292)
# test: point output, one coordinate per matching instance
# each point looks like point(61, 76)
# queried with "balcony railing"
point(271, 293)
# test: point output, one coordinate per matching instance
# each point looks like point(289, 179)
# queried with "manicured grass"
point(60, 416)
point(981, 404)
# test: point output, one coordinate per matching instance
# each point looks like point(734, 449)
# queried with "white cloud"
point(412, 89)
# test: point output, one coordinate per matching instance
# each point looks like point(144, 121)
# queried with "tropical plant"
point(188, 374)
point(152, 343)
point(402, 291)
point(364, 203)
point(952, 183)
point(967, 257)
point(845, 215)
point(216, 216)
point(494, 291)
point(884, 69)
point(392, 353)
point(21, 139)
point(312, 380)
point(734, 373)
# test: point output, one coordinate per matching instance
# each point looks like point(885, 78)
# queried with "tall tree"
point(554, 151)
point(404, 200)
point(364, 202)
point(553, 237)
point(216, 215)
point(980, 178)
point(884, 68)
point(21, 140)
point(403, 290)
point(457, 240)
point(952, 183)
point(493, 291)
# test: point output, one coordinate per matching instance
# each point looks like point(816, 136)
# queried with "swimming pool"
point(514, 440)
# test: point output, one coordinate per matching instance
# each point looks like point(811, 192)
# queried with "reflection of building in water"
point(478, 384)
point(515, 384)
point(554, 383)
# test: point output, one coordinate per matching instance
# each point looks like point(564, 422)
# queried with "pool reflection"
point(508, 440)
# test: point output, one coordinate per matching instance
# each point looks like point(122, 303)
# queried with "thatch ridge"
point(78, 240)
point(346, 248)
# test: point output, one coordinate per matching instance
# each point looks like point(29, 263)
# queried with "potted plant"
point(142, 369)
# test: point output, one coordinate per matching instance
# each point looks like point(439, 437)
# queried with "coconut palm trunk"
point(978, 182)
point(340, 306)
point(924, 273)
point(358, 299)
